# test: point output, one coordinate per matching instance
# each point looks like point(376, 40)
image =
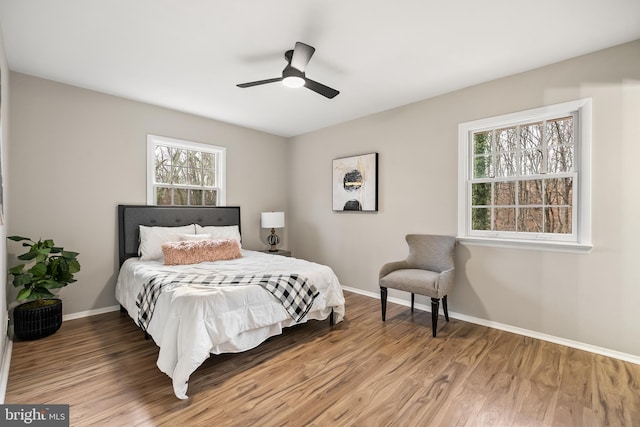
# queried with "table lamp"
point(272, 220)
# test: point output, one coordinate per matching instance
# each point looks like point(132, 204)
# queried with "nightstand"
point(282, 252)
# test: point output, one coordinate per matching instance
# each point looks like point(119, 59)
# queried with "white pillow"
point(221, 232)
point(192, 237)
point(152, 238)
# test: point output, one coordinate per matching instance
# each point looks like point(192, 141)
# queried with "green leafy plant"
point(51, 267)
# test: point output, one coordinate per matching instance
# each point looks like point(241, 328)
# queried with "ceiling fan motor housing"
point(290, 71)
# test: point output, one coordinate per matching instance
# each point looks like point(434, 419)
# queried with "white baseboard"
point(508, 328)
point(4, 367)
point(88, 313)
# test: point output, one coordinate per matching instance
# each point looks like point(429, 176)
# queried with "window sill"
point(548, 245)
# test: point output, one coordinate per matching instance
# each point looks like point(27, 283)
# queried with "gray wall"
point(76, 154)
point(4, 126)
point(592, 298)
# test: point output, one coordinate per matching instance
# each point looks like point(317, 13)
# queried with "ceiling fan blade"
point(320, 88)
point(260, 82)
point(302, 54)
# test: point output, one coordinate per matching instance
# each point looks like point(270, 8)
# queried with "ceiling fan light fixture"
point(293, 81)
point(293, 74)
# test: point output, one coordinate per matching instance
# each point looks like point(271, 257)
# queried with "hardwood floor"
point(361, 372)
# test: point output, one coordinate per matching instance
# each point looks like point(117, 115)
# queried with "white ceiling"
point(189, 55)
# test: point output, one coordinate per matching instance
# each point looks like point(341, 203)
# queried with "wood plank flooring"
point(361, 372)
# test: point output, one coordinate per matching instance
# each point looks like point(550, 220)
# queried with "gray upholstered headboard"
point(131, 216)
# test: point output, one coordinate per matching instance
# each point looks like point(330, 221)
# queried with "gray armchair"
point(428, 270)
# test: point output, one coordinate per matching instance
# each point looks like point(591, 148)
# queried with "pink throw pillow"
point(196, 251)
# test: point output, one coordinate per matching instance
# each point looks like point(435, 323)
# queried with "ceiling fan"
point(293, 74)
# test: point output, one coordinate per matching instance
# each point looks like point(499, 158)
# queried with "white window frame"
point(221, 157)
point(580, 239)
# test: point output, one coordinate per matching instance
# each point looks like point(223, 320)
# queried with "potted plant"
point(50, 268)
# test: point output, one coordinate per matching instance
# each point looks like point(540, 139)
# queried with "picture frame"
point(355, 183)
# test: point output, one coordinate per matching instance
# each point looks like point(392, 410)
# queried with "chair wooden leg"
point(413, 300)
point(445, 308)
point(435, 305)
point(383, 301)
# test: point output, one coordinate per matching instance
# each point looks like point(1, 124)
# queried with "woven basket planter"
point(37, 322)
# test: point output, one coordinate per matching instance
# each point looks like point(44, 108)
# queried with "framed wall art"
point(355, 183)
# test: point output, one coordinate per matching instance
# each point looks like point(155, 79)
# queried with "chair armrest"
point(392, 266)
point(445, 281)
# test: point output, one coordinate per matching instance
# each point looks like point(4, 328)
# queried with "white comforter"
point(190, 323)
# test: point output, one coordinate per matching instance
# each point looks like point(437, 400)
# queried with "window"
point(524, 178)
point(184, 173)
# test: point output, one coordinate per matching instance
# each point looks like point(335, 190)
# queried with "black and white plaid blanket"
point(294, 291)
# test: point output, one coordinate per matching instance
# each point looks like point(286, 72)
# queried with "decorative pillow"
point(221, 232)
point(152, 238)
point(196, 251)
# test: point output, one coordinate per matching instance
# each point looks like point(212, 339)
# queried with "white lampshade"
point(272, 219)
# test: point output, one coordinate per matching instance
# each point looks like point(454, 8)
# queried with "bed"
point(227, 314)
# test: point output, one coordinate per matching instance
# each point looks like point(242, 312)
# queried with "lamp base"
point(273, 240)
